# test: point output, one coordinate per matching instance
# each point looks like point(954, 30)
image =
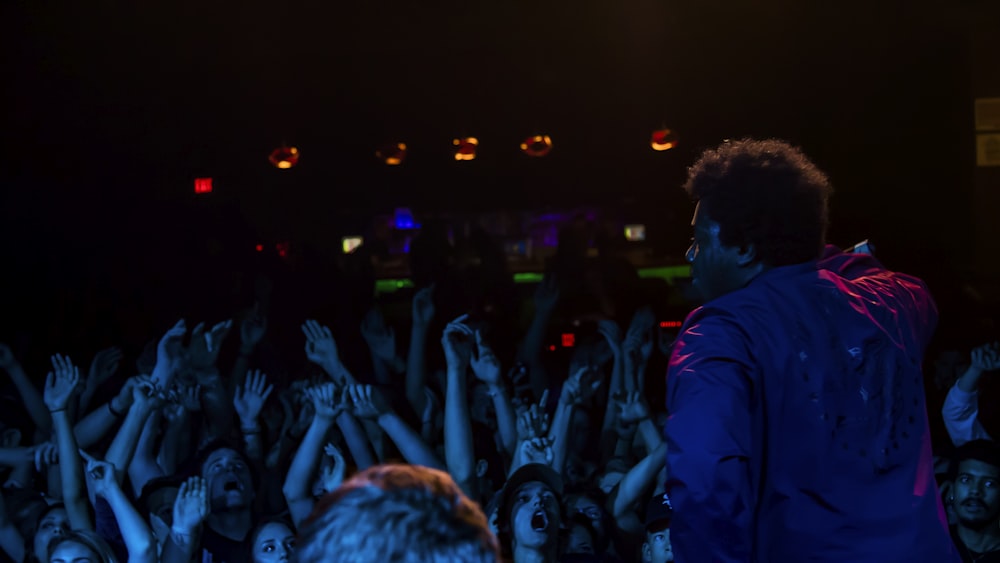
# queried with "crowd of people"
point(785, 421)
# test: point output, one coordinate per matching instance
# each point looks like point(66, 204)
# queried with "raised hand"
point(534, 421)
point(320, 346)
point(610, 331)
point(638, 338)
point(457, 343)
point(189, 397)
point(249, 398)
point(381, 339)
point(146, 396)
point(326, 403)
point(632, 408)
point(547, 294)
point(170, 350)
point(191, 506)
point(7, 359)
point(46, 454)
point(204, 348)
point(537, 450)
point(665, 340)
point(580, 386)
point(61, 383)
point(366, 401)
point(333, 475)
point(104, 365)
point(423, 306)
point(101, 475)
point(252, 329)
point(484, 363)
point(986, 357)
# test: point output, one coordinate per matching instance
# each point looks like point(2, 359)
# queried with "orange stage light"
point(663, 140)
point(392, 154)
point(537, 145)
point(284, 157)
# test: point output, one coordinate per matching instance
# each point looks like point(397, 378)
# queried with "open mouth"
point(232, 485)
point(974, 505)
point(539, 521)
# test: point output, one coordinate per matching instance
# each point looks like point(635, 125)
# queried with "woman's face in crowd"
point(274, 543)
point(53, 524)
point(657, 548)
point(579, 540)
point(73, 552)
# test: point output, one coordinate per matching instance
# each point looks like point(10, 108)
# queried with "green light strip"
point(666, 273)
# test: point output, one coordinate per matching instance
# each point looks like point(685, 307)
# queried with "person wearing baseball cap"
point(529, 514)
point(657, 548)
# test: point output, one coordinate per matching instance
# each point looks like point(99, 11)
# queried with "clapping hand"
point(61, 383)
point(249, 398)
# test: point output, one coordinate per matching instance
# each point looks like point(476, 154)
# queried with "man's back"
point(816, 374)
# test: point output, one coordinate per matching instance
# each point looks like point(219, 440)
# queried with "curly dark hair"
point(763, 193)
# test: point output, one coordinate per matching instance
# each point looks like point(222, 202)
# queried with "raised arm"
point(459, 454)
point(190, 511)
point(169, 356)
point(300, 473)
point(322, 351)
point(961, 406)
point(638, 480)
point(486, 367)
point(252, 330)
point(368, 402)
point(60, 387)
point(144, 402)
point(546, 298)
point(103, 366)
point(95, 426)
point(381, 340)
point(416, 364)
point(135, 531)
point(249, 401)
point(33, 402)
point(580, 387)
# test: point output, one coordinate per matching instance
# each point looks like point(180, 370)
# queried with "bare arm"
point(33, 402)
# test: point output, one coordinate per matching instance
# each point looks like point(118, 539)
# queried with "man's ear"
point(647, 552)
point(11, 438)
point(746, 256)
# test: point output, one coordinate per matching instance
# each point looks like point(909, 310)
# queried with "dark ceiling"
point(115, 107)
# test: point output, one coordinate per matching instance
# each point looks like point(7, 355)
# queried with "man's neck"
point(982, 540)
point(531, 555)
point(234, 525)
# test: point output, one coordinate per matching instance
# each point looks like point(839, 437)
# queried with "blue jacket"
point(797, 426)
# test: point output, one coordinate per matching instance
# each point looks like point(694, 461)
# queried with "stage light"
point(392, 154)
point(202, 185)
point(635, 233)
point(663, 140)
point(348, 244)
point(284, 157)
point(259, 248)
point(537, 145)
point(403, 219)
point(465, 148)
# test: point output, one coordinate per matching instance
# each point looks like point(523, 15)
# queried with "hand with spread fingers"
point(61, 384)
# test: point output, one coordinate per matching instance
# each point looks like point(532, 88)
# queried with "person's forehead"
point(534, 486)
point(274, 530)
point(978, 468)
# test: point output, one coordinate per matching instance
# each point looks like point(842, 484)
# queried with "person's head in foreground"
point(760, 205)
point(404, 513)
point(657, 548)
point(529, 514)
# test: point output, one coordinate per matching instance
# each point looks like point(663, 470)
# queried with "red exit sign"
point(202, 185)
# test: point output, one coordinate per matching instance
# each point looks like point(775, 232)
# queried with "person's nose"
point(58, 531)
point(977, 490)
point(283, 553)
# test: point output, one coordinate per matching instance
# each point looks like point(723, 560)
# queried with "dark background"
point(113, 109)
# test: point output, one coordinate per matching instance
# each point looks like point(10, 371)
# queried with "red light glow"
point(284, 157)
point(552, 348)
point(663, 140)
point(202, 185)
point(568, 339)
point(537, 145)
point(259, 248)
point(671, 324)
